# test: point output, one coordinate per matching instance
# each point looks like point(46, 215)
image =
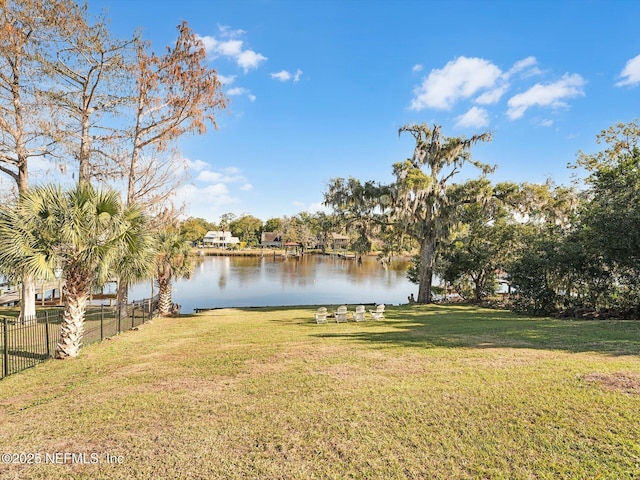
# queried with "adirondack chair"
point(378, 313)
point(359, 315)
point(341, 314)
point(321, 315)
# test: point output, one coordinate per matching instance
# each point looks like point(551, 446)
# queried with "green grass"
point(431, 392)
point(27, 343)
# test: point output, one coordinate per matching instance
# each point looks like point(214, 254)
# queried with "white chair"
point(359, 315)
point(378, 313)
point(321, 315)
point(341, 314)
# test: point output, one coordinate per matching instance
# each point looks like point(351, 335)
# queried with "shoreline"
point(258, 252)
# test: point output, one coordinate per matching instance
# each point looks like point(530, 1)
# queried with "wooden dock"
point(11, 295)
point(9, 298)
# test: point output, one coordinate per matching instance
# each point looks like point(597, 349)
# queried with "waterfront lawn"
point(430, 392)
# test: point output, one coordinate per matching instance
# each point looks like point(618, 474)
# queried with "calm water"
point(268, 281)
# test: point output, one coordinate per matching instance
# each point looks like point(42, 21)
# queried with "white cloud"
point(550, 95)
point(226, 80)
point(212, 189)
point(546, 123)
point(196, 165)
point(232, 48)
point(209, 43)
point(460, 78)
point(465, 78)
point(226, 175)
point(207, 201)
point(493, 96)
point(479, 81)
point(475, 117)
point(282, 75)
point(631, 73)
point(227, 32)
point(208, 176)
point(525, 68)
point(285, 76)
point(229, 48)
point(250, 59)
point(417, 68)
point(238, 91)
point(523, 64)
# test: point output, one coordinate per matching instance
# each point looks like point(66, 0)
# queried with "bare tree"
point(175, 94)
point(26, 131)
point(89, 75)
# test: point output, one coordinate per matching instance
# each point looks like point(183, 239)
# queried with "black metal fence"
point(27, 342)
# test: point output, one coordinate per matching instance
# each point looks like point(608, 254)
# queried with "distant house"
point(337, 241)
point(271, 240)
point(219, 239)
point(334, 241)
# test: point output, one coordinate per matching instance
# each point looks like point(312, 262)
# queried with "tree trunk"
point(77, 293)
point(122, 297)
point(133, 167)
point(84, 157)
point(165, 300)
point(479, 287)
point(427, 262)
point(28, 301)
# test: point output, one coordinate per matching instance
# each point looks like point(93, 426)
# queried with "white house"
point(219, 239)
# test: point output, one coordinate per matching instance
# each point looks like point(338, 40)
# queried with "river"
point(273, 281)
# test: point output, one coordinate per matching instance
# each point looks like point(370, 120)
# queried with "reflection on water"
point(272, 281)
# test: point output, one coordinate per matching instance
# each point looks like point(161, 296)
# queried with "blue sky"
point(318, 89)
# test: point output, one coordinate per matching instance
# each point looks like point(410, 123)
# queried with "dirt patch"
point(619, 382)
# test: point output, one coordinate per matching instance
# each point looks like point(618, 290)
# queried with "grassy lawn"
point(430, 392)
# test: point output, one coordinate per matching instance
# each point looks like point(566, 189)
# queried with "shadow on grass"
point(30, 355)
point(464, 326)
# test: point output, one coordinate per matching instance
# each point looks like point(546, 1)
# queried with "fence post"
point(133, 316)
point(46, 332)
point(102, 322)
point(5, 334)
point(119, 318)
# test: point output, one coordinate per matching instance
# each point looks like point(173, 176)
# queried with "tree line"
point(562, 250)
point(304, 228)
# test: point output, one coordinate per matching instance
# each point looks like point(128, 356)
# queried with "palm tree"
point(174, 260)
point(82, 232)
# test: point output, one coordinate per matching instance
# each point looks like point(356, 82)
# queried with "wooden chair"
point(321, 315)
point(378, 313)
point(360, 313)
point(341, 314)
